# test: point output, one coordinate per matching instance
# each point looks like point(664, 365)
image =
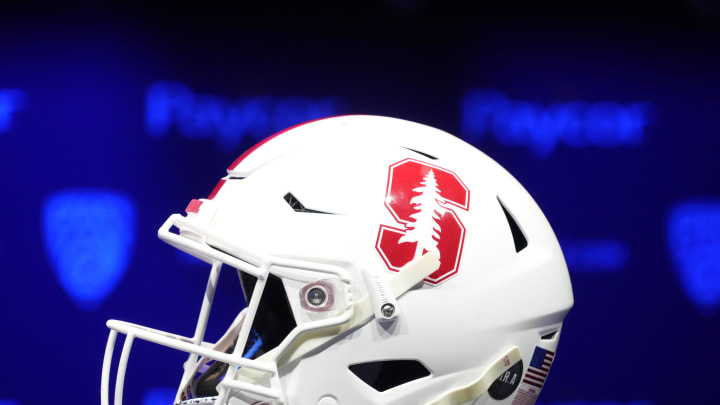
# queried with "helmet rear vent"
point(387, 374)
point(427, 155)
point(297, 206)
point(549, 335)
point(518, 237)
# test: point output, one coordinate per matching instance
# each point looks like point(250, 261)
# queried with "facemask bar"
point(223, 344)
point(255, 264)
point(237, 351)
point(173, 341)
point(190, 365)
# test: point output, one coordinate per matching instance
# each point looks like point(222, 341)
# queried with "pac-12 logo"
point(422, 198)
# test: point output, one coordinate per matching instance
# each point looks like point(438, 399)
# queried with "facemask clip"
point(382, 299)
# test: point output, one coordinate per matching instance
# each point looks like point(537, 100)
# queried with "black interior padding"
point(274, 319)
point(248, 284)
point(387, 374)
point(517, 235)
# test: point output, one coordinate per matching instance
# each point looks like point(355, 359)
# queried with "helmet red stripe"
point(217, 188)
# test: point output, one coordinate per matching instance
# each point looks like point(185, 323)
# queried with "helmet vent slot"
point(549, 335)
point(518, 237)
point(387, 374)
point(297, 206)
point(427, 155)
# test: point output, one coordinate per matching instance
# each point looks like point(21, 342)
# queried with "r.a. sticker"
point(508, 381)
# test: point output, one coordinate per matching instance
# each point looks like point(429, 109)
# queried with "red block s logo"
point(422, 198)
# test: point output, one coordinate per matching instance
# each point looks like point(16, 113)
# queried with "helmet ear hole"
point(388, 374)
point(318, 296)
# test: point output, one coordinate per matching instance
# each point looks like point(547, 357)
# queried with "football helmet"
point(383, 262)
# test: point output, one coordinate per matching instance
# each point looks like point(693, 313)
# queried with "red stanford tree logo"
point(421, 197)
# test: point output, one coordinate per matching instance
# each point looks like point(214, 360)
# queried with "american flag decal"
point(539, 367)
point(535, 377)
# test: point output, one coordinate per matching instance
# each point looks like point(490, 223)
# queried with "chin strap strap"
point(409, 276)
point(480, 386)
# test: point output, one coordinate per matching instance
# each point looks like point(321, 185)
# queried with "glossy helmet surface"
point(384, 262)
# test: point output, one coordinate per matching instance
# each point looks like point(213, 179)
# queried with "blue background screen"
point(114, 117)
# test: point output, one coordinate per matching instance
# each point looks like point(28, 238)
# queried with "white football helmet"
point(383, 262)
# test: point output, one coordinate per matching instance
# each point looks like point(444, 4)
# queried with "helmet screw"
point(388, 310)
